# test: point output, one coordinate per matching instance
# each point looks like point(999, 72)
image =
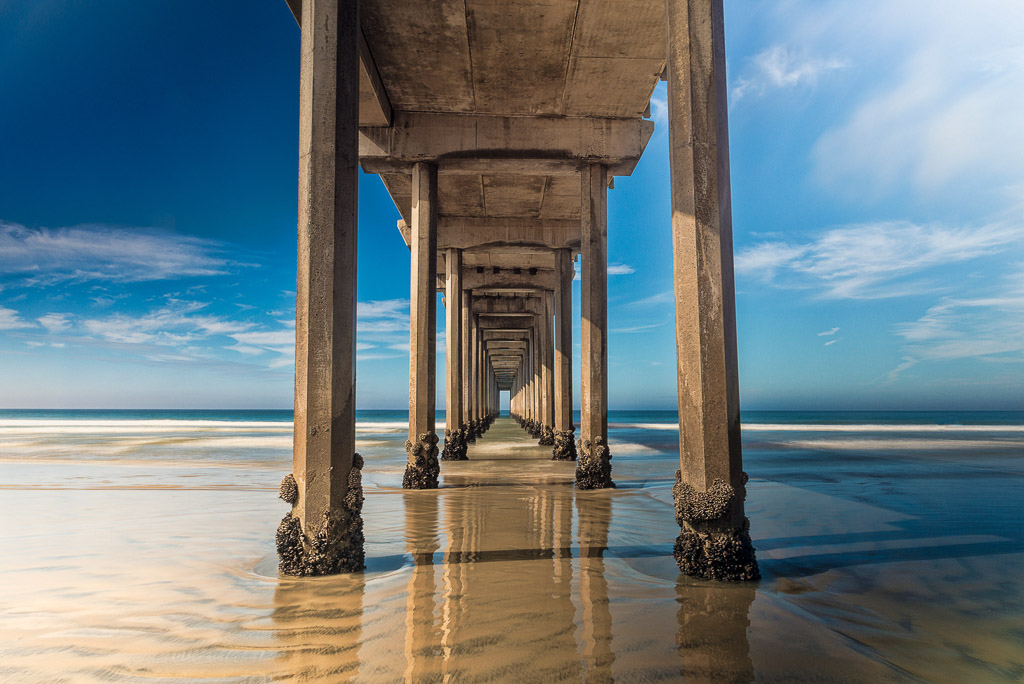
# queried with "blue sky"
point(148, 190)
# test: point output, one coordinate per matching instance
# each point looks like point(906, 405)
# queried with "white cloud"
point(942, 115)
point(828, 333)
point(664, 297)
point(780, 67)
point(989, 328)
point(637, 328)
point(383, 316)
point(265, 338)
point(55, 322)
point(831, 342)
point(620, 269)
point(871, 261)
point(11, 320)
point(43, 256)
point(659, 105)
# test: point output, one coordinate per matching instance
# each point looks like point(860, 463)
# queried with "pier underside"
point(498, 129)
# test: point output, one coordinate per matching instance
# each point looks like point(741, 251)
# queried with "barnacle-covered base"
point(564, 446)
point(547, 436)
point(337, 544)
point(716, 554)
point(455, 445)
point(423, 468)
point(593, 467)
point(709, 548)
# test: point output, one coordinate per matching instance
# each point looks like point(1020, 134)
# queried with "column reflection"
point(712, 637)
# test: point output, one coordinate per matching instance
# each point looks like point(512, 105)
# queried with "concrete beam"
point(506, 334)
point(468, 232)
point(426, 136)
point(506, 322)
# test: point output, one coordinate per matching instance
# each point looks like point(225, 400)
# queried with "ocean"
point(137, 546)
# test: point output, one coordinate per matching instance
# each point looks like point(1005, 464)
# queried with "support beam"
point(593, 469)
point(468, 232)
point(323, 533)
point(454, 435)
point(467, 365)
point(547, 375)
point(428, 136)
point(423, 469)
point(710, 486)
point(565, 438)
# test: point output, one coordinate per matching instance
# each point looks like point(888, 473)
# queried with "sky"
point(148, 191)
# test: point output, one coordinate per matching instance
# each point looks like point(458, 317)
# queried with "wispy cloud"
point(55, 322)
point(44, 256)
point(780, 67)
point(988, 328)
point(637, 328)
point(620, 269)
point(11, 320)
point(871, 261)
point(828, 333)
point(831, 342)
point(383, 316)
point(176, 324)
point(941, 118)
point(665, 297)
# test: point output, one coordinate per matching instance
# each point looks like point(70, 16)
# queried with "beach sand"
point(135, 554)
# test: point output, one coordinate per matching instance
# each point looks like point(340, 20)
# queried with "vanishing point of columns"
point(500, 190)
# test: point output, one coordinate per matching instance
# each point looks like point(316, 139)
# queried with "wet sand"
point(136, 567)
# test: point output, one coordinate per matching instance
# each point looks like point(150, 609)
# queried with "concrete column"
point(422, 470)
point(467, 365)
point(565, 439)
point(593, 469)
point(323, 533)
point(710, 485)
point(535, 364)
point(454, 436)
point(474, 407)
point(548, 389)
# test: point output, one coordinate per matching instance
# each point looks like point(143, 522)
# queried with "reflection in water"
point(318, 625)
point(593, 513)
point(503, 585)
point(712, 637)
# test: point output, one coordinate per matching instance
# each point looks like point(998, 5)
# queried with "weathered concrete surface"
point(323, 532)
point(422, 335)
point(709, 412)
point(564, 435)
point(454, 434)
point(593, 469)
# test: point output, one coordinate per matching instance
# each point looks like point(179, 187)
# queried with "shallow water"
point(139, 546)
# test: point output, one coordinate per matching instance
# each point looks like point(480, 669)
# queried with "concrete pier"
point(422, 470)
point(323, 532)
point(593, 467)
point(454, 434)
point(710, 486)
point(497, 129)
point(565, 432)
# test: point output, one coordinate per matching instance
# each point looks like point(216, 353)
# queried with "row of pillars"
point(323, 532)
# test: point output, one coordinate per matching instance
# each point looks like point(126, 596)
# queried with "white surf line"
point(835, 427)
point(773, 427)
